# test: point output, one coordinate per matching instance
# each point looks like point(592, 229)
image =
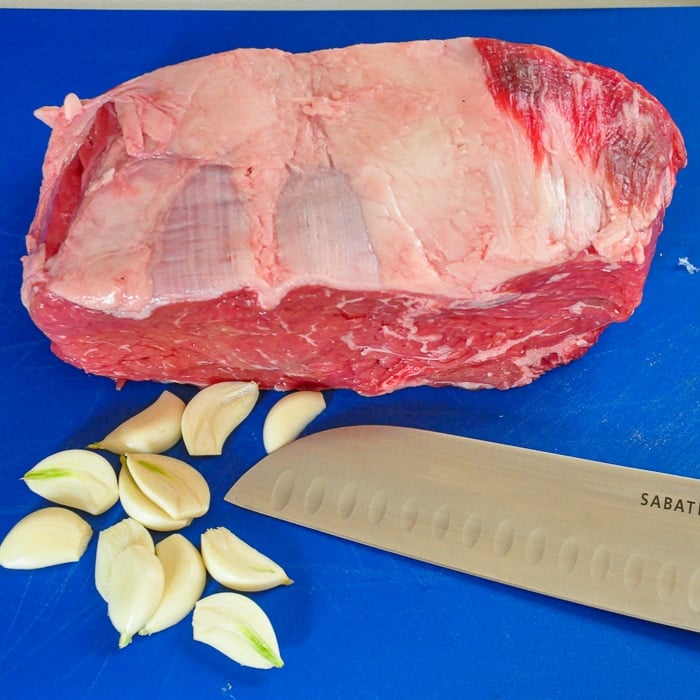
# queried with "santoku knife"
point(616, 538)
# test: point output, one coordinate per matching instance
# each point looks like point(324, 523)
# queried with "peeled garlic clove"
point(110, 543)
point(236, 626)
point(185, 578)
point(142, 509)
point(213, 414)
point(75, 478)
point(136, 587)
point(45, 537)
point(289, 416)
point(173, 485)
point(155, 429)
point(235, 564)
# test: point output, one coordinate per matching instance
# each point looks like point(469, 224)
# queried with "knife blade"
point(616, 538)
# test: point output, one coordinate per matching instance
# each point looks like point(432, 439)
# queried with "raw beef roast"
point(466, 212)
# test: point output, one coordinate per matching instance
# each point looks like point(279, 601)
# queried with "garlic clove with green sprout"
point(173, 485)
point(237, 626)
point(142, 509)
point(75, 478)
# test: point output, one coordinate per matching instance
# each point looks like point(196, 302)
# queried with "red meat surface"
point(464, 212)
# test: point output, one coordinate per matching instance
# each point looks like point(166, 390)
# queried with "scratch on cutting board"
point(227, 690)
point(684, 262)
point(97, 674)
point(18, 610)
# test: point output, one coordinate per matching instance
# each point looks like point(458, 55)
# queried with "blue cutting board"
point(357, 623)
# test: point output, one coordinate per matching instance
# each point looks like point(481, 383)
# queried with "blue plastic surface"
point(357, 623)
